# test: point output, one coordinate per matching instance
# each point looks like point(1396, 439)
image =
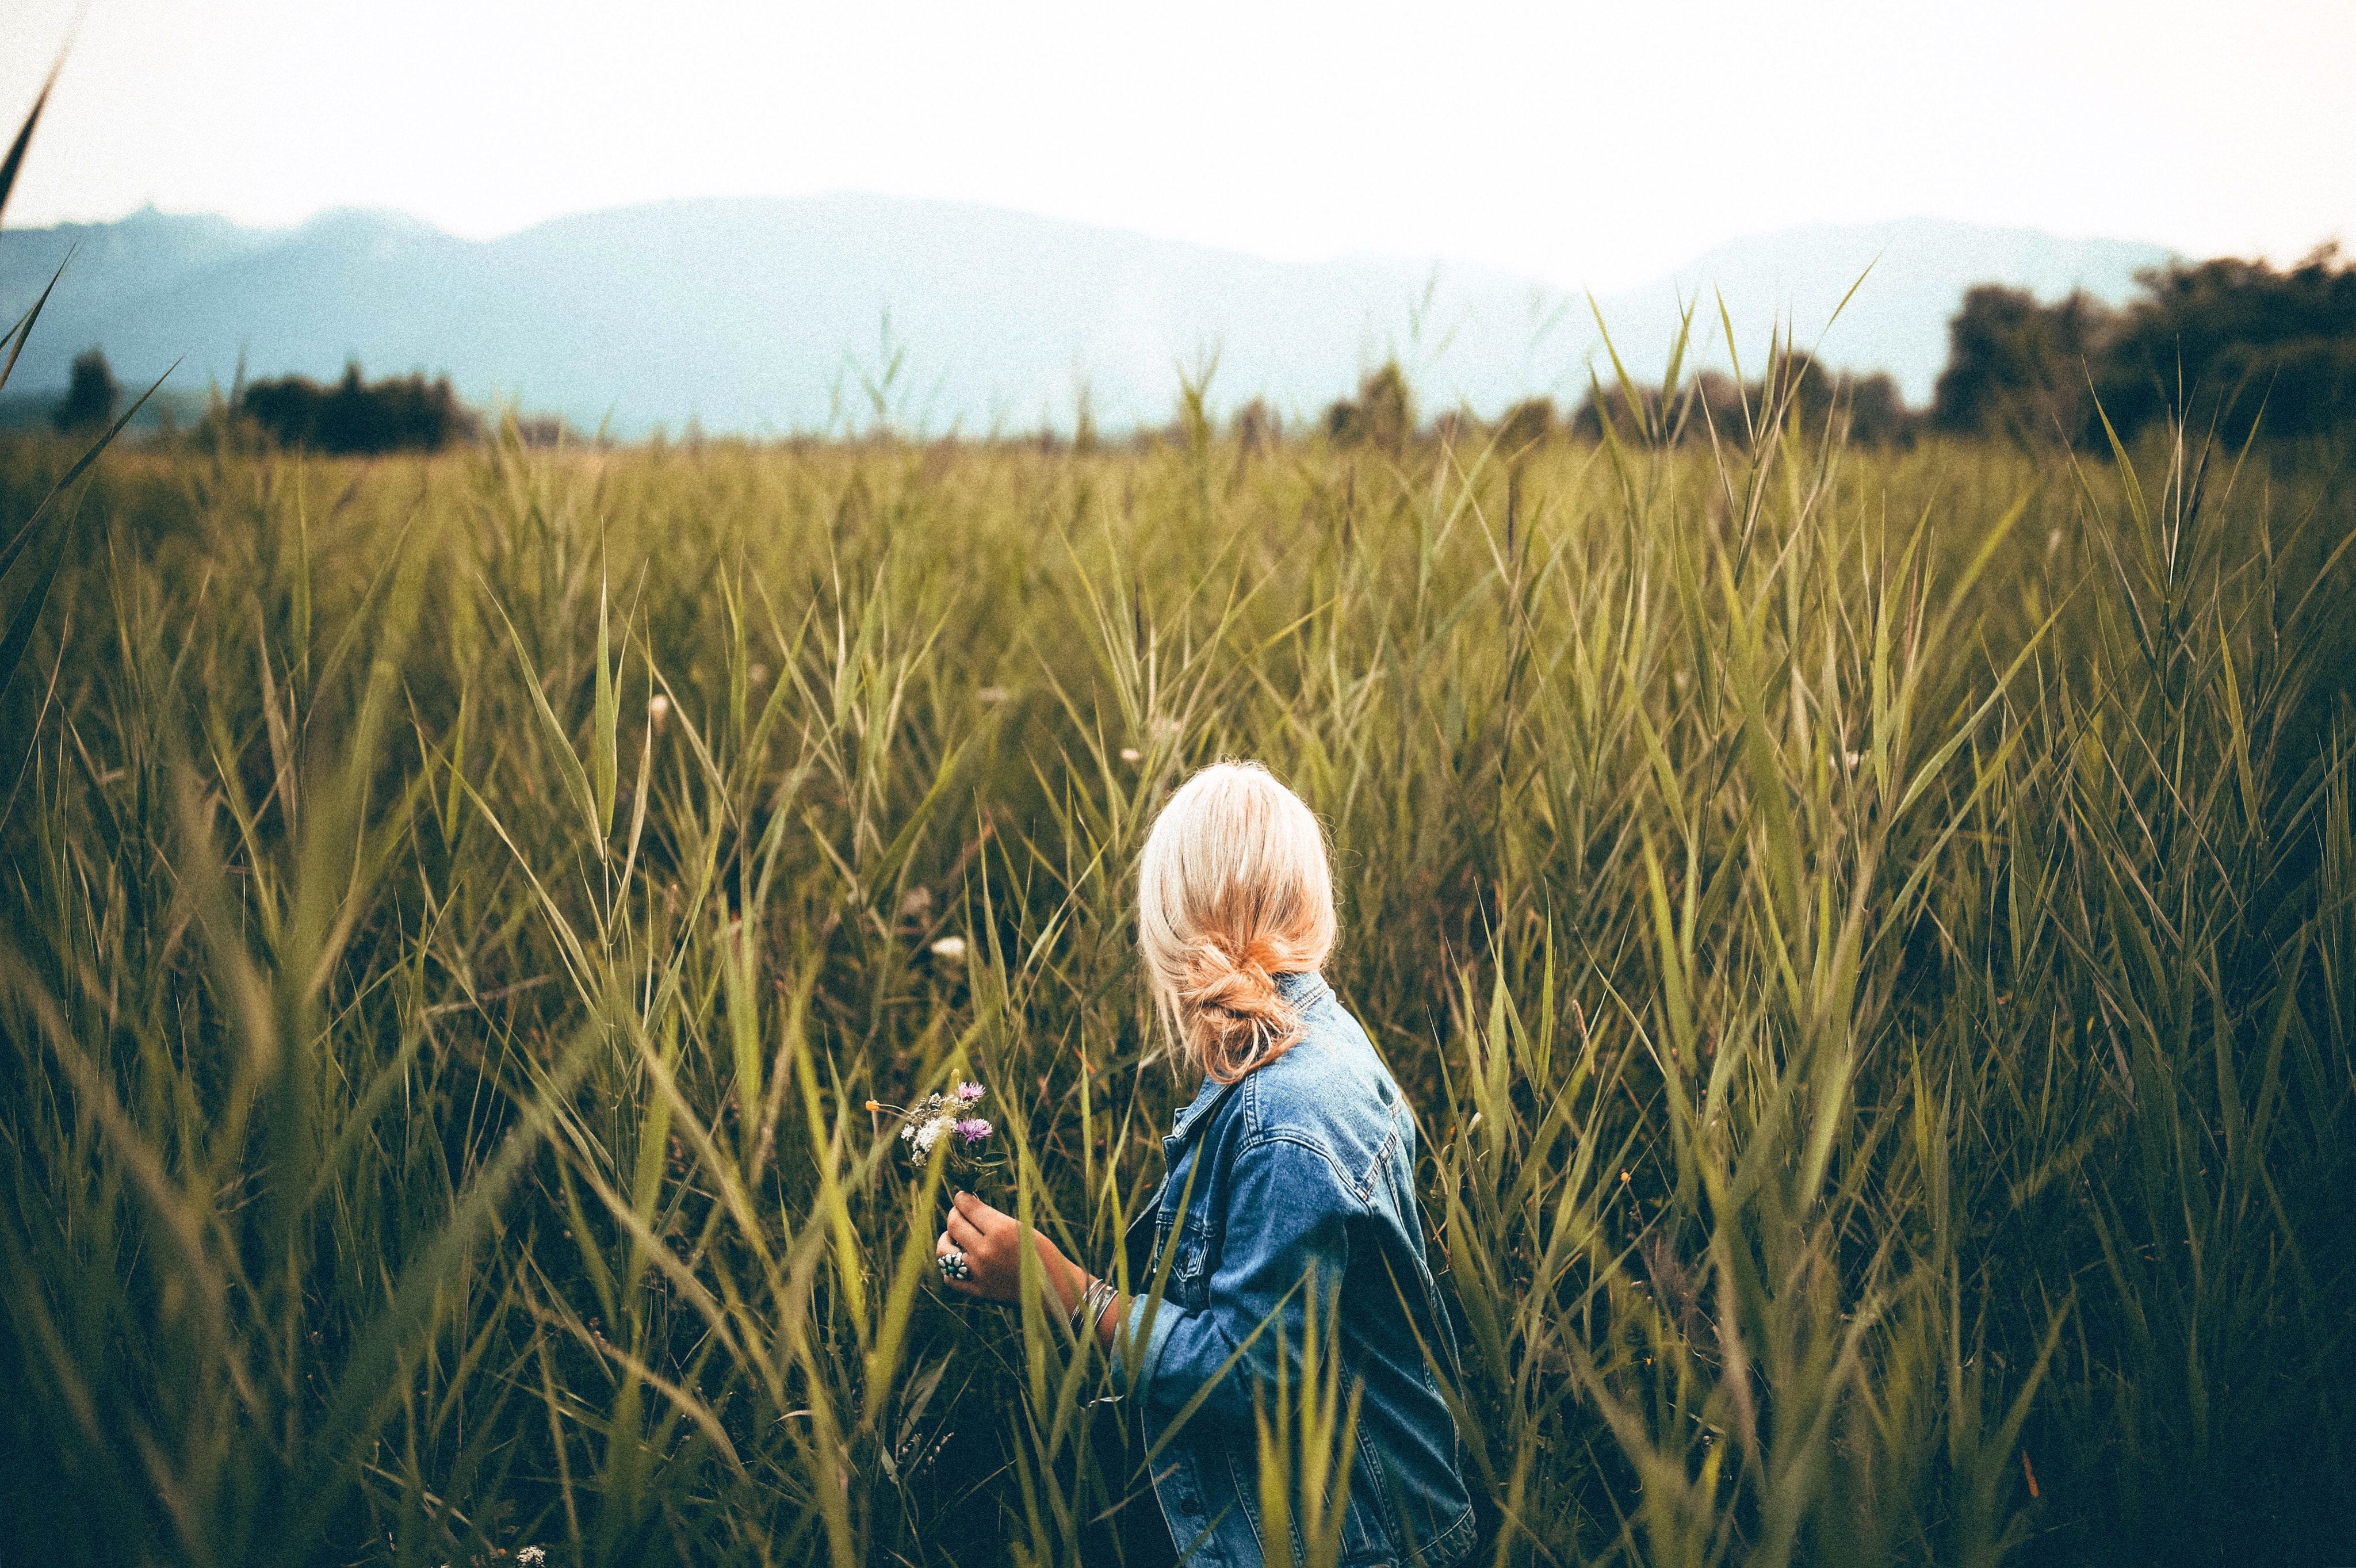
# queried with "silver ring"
point(954, 1266)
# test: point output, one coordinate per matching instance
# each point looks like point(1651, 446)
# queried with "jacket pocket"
point(1189, 1287)
point(1365, 1541)
point(1366, 1517)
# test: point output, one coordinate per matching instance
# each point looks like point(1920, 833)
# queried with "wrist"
point(1072, 1287)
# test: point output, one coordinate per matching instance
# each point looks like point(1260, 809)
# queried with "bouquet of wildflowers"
point(946, 1119)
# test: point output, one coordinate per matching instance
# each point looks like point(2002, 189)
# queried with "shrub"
point(1526, 425)
point(1383, 416)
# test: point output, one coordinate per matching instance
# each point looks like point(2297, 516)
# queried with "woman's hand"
point(990, 1242)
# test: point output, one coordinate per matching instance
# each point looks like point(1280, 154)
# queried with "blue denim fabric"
point(1308, 1161)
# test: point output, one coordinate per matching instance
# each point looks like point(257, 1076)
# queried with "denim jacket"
point(1307, 1161)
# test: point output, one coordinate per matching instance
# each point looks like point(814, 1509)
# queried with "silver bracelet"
point(1089, 1310)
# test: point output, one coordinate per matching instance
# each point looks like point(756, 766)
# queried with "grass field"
point(1870, 936)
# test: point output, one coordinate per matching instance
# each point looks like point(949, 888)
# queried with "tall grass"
point(1869, 937)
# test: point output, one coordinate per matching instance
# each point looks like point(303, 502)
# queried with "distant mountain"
point(768, 315)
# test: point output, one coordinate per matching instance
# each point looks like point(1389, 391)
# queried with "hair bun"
point(1234, 1002)
point(1243, 984)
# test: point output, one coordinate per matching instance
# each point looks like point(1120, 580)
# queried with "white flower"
point(931, 1133)
point(530, 1557)
point(950, 947)
point(1130, 754)
point(657, 709)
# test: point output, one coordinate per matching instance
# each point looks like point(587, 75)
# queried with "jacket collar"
point(1299, 990)
point(1302, 987)
point(1195, 1115)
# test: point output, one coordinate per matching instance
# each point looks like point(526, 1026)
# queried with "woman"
point(1293, 1170)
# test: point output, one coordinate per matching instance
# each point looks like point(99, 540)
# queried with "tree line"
point(2231, 345)
point(2227, 345)
point(1710, 404)
point(398, 413)
point(352, 416)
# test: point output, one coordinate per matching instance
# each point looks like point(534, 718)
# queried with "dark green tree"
point(1878, 415)
point(92, 395)
point(2019, 369)
point(2236, 343)
point(1870, 410)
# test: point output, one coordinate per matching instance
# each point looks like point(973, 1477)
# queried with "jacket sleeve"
point(1287, 1223)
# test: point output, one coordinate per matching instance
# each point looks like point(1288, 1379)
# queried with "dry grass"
point(1869, 937)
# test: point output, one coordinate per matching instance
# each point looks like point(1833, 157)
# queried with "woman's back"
point(1299, 1176)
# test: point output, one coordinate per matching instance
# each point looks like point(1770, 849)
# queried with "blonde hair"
point(1234, 890)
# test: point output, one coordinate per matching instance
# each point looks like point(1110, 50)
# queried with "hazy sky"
point(1576, 142)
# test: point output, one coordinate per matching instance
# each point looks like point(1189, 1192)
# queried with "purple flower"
point(973, 1129)
point(968, 1093)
